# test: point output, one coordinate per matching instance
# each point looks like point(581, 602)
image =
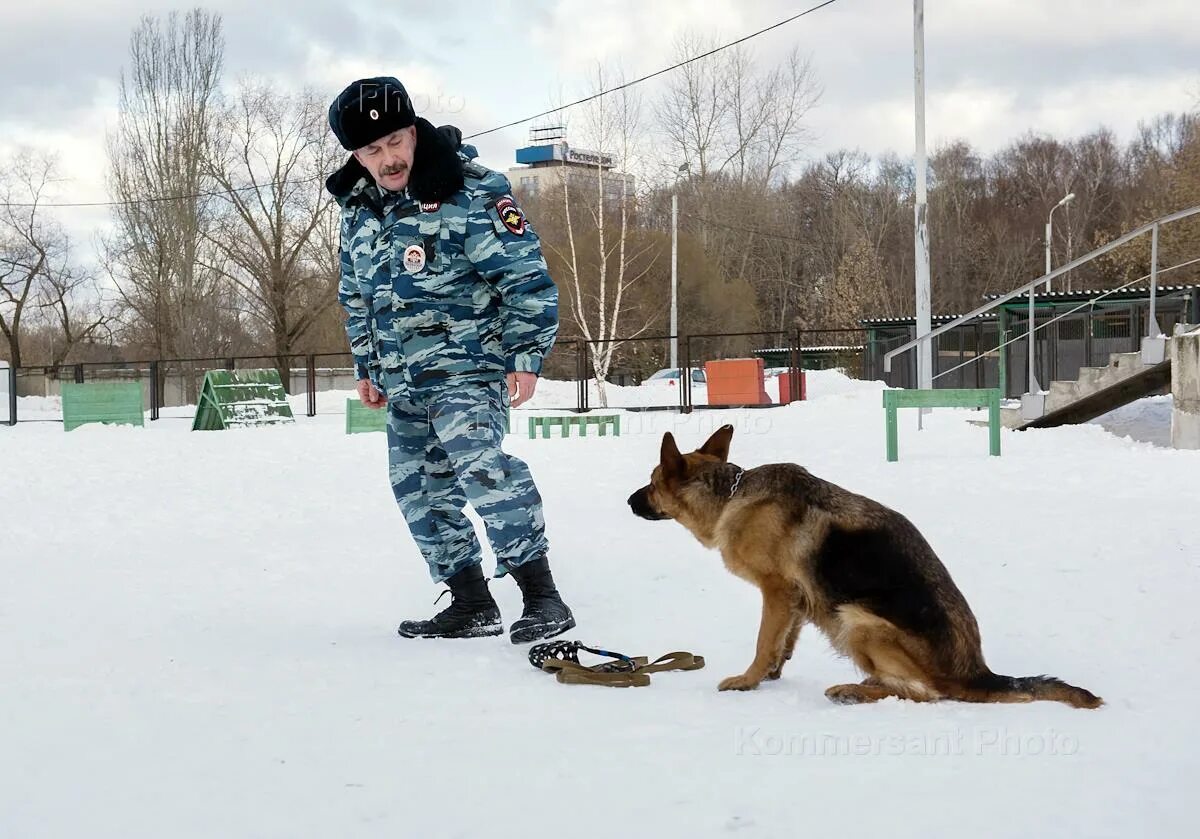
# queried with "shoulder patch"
point(510, 215)
point(474, 170)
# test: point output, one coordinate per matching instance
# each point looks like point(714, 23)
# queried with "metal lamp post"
point(1033, 404)
point(675, 269)
point(1067, 199)
point(921, 225)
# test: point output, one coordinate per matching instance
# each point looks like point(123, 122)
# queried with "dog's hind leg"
point(773, 631)
point(890, 659)
point(789, 645)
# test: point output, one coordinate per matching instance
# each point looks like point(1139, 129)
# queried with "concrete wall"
point(1185, 388)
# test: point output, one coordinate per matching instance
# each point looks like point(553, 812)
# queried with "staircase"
point(1097, 391)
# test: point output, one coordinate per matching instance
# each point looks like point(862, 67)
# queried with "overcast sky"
point(996, 68)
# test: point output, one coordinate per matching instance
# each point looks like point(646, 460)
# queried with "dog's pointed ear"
point(672, 462)
point(718, 444)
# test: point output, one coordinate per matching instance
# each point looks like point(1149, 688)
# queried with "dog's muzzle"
point(639, 502)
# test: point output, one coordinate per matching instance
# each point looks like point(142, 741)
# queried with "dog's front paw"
point(742, 682)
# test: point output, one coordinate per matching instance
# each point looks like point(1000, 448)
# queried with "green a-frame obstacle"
point(240, 399)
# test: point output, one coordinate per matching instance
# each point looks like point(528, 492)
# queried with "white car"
point(670, 376)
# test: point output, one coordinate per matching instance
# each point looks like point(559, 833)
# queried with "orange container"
point(736, 381)
point(785, 388)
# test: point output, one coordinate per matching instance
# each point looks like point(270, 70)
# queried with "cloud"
point(995, 70)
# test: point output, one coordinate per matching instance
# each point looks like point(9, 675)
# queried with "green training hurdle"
point(603, 422)
point(361, 419)
point(118, 403)
point(949, 398)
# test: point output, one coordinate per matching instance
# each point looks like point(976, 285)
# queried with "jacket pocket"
point(438, 347)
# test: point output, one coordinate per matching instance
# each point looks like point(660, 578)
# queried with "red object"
point(736, 381)
point(785, 388)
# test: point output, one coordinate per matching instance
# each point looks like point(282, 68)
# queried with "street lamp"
point(675, 268)
point(1070, 196)
point(920, 215)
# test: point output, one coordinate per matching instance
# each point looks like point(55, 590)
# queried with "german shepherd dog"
point(859, 571)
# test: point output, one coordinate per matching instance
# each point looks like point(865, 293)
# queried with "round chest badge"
point(414, 258)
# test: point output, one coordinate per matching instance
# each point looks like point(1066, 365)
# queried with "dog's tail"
point(991, 687)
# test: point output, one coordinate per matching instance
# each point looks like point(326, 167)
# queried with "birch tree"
point(601, 259)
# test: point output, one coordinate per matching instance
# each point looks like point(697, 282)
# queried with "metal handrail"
point(1025, 336)
point(1030, 287)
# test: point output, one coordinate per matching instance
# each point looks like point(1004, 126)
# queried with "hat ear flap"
point(437, 171)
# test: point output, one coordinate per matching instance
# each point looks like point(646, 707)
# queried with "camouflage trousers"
point(444, 449)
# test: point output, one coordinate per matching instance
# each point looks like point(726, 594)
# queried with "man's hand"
point(369, 395)
point(520, 387)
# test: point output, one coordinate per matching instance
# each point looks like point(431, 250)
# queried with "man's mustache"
point(394, 170)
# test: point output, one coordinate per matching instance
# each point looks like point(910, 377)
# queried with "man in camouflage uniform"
point(450, 310)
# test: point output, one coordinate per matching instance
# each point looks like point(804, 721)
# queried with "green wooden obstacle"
point(361, 419)
point(118, 403)
point(950, 398)
point(241, 398)
point(603, 422)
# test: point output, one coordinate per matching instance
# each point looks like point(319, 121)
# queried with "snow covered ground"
point(1146, 420)
point(198, 641)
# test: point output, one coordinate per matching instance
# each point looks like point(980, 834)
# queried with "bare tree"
point(272, 153)
point(739, 128)
point(76, 313)
point(30, 243)
point(597, 208)
point(727, 118)
point(168, 100)
point(40, 286)
point(690, 115)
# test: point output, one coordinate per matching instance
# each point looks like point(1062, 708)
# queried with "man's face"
point(389, 159)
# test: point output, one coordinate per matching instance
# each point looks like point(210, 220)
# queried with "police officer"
point(450, 313)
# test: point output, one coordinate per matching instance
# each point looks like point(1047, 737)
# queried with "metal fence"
point(171, 386)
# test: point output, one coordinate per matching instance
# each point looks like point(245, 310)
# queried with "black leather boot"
point(545, 615)
point(472, 612)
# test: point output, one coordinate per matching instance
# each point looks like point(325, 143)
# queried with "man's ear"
point(672, 462)
point(718, 444)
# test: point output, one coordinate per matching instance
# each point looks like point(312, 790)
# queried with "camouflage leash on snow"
point(562, 659)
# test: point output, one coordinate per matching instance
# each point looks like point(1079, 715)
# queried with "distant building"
point(549, 158)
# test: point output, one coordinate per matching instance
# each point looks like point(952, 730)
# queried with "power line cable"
point(656, 73)
point(639, 80)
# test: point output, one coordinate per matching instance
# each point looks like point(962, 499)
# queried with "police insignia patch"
point(430, 206)
point(511, 215)
point(414, 258)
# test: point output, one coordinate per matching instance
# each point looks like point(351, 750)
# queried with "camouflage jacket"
point(445, 282)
